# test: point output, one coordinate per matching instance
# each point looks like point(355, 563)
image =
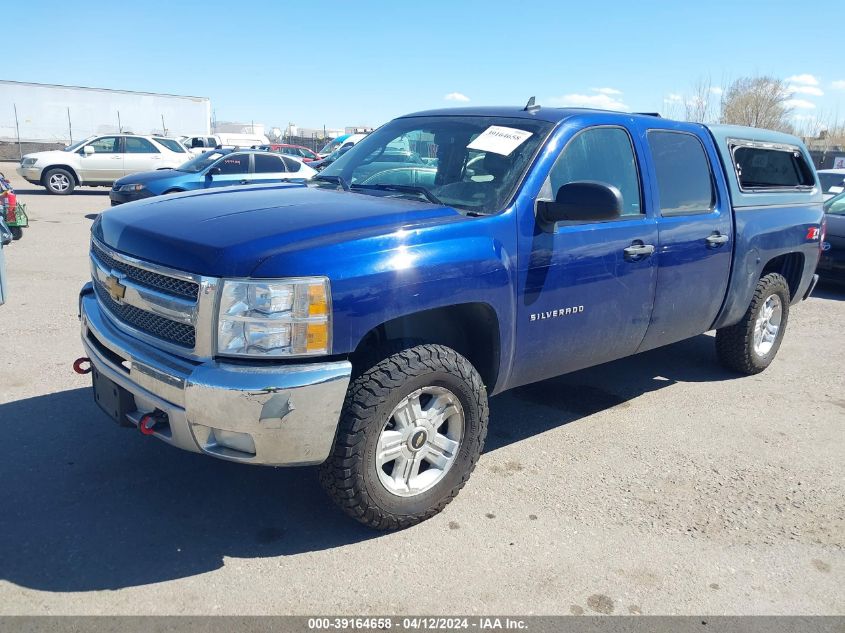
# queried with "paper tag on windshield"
point(499, 140)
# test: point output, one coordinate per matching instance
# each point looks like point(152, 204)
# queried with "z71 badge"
point(554, 314)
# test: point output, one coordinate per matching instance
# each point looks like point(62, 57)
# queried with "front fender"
point(378, 279)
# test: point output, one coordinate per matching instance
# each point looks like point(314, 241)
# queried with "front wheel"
point(59, 181)
point(751, 345)
point(410, 434)
point(17, 232)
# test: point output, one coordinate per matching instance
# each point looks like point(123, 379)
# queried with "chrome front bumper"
point(290, 412)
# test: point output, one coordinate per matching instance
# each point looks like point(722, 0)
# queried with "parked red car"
point(297, 151)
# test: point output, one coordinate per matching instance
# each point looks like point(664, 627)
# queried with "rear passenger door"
point(268, 168)
point(695, 232)
point(140, 155)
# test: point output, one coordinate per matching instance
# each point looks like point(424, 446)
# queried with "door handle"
point(716, 240)
point(117, 157)
point(244, 182)
point(637, 251)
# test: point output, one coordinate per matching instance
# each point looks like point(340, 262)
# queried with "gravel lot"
point(658, 484)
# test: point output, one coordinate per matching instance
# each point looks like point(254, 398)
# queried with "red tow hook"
point(147, 424)
point(78, 365)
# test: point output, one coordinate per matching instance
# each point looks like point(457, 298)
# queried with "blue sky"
point(333, 62)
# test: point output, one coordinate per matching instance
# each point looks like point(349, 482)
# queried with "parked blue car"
point(217, 168)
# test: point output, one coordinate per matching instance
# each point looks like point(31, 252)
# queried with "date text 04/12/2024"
point(416, 623)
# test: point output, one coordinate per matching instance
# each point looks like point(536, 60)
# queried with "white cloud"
point(799, 104)
point(674, 97)
point(806, 90)
point(806, 79)
point(607, 91)
point(716, 90)
point(456, 96)
point(602, 101)
point(838, 85)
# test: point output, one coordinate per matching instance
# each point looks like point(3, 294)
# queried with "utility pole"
point(69, 126)
point(163, 126)
point(18, 130)
point(119, 124)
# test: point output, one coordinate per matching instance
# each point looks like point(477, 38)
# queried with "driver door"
point(232, 169)
point(105, 165)
point(586, 295)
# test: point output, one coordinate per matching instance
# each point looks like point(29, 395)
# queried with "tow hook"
point(148, 422)
point(82, 365)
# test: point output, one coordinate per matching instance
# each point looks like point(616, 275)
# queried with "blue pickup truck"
point(361, 321)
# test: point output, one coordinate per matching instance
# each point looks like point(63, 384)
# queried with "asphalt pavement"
point(657, 484)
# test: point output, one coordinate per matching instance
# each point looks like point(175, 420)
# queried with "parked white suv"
point(100, 160)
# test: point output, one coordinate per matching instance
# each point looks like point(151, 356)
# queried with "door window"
point(684, 179)
point(106, 145)
point(136, 145)
point(602, 154)
point(291, 164)
point(267, 164)
point(234, 164)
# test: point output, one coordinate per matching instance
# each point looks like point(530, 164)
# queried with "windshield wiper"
point(420, 191)
point(335, 179)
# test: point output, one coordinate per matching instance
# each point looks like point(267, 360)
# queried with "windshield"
point(332, 145)
point(196, 165)
point(171, 144)
point(469, 162)
point(836, 205)
point(832, 183)
point(77, 145)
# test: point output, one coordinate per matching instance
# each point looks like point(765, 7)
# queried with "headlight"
point(28, 162)
point(129, 188)
point(275, 318)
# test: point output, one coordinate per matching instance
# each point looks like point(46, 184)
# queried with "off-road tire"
point(349, 475)
point(55, 172)
point(735, 344)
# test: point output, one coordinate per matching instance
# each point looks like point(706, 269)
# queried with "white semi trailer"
point(46, 113)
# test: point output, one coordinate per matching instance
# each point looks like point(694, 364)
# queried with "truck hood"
point(227, 233)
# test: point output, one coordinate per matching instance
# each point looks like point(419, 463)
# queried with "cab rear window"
point(764, 168)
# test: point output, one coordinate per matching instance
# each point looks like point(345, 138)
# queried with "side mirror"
point(214, 171)
point(88, 150)
point(582, 201)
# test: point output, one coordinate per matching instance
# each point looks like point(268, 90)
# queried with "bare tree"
point(698, 106)
point(758, 102)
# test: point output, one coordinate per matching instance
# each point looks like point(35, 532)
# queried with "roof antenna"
point(530, 106)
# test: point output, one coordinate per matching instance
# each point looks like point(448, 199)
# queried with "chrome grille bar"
point(151, 302)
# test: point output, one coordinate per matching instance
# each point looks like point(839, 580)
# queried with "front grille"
point(170, 285)
point(152, 324)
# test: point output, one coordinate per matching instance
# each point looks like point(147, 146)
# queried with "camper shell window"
point(764, 167)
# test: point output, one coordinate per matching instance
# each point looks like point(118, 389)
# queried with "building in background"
point(45, 113)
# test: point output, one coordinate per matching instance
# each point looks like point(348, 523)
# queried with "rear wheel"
point(410, 434)
point(17, 232)
point(752, 344)
point(59, 181)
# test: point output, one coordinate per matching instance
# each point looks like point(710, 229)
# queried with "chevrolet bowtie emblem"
point(115, 288)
